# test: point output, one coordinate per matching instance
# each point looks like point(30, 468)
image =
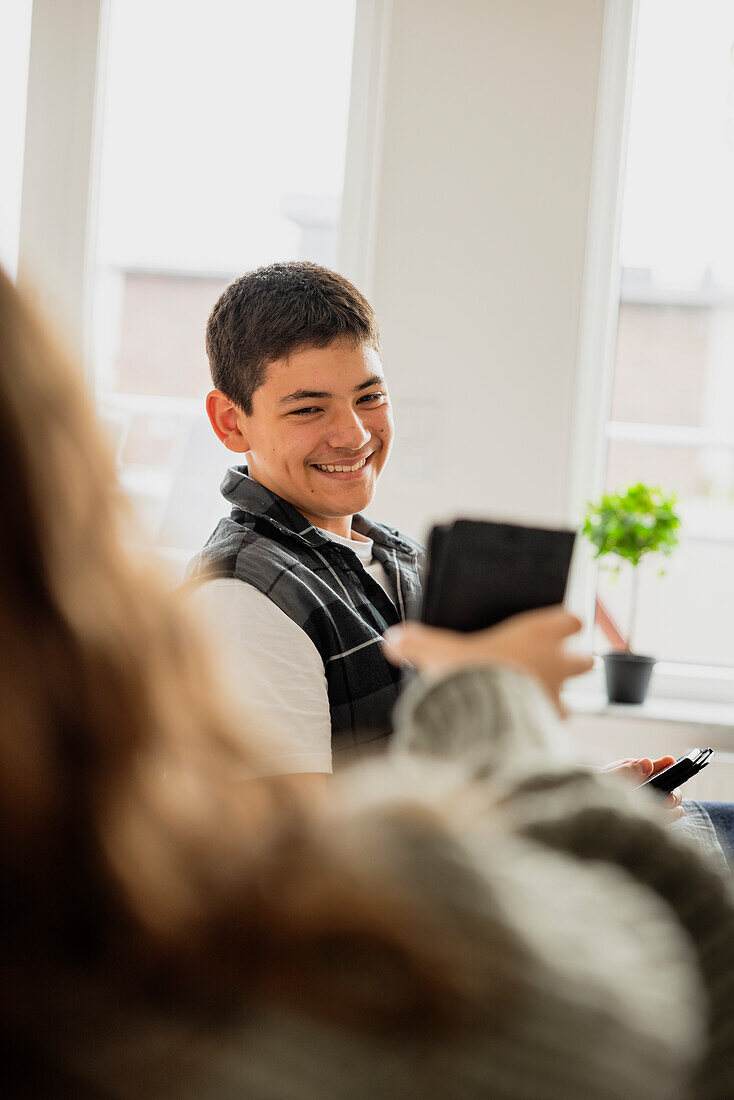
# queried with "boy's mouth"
point(343, 471)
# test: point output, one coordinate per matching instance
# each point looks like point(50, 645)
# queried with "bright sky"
point(214, 112)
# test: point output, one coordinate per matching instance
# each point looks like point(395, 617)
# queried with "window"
point(672, 415)
point(224, 142)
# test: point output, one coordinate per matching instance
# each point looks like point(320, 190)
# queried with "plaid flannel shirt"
point(324, 588)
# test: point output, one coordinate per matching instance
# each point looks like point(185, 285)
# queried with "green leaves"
point(638, 521)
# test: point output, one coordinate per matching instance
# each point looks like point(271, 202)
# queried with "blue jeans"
point(722, 819)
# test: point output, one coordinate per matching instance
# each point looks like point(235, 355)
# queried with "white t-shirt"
point(273, 668)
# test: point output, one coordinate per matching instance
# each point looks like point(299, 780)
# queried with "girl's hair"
point(126, 845)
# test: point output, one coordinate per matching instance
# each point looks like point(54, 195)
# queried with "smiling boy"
point(299, 585)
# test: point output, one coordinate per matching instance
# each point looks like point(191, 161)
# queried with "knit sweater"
point(618, 937)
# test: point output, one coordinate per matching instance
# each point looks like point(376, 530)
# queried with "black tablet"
point(479, 573)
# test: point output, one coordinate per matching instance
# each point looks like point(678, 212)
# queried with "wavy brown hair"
point(127, 848)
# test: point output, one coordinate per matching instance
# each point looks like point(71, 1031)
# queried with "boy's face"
point(320, 407)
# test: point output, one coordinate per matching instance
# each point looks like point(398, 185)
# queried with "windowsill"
point(688, 711)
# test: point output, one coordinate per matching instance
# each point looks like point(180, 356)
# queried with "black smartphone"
point(479, 573)
point(685, 767)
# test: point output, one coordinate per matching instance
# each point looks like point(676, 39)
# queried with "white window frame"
point(365, 135)
point(58, 203)
point(600, 291)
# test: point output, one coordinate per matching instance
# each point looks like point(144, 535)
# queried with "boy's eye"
point(367, 398)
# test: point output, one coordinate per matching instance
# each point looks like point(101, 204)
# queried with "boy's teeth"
point(342, 469)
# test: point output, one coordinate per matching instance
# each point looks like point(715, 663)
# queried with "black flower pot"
point(628, 677)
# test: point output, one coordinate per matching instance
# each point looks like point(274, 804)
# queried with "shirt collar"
point(252, 498)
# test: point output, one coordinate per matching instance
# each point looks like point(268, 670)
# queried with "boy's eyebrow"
point(373, 380)
point(303, 395)
point(322, 395)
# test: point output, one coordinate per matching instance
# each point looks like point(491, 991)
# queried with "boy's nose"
point(347, 430)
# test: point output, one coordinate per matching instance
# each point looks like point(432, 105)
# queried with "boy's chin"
point(347, 503)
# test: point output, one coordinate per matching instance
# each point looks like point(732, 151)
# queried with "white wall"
point(482, 198)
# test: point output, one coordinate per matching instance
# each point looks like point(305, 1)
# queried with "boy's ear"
point(227, 421)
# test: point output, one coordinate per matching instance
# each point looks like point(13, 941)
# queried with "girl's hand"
point(645, 768)
point(533, 641)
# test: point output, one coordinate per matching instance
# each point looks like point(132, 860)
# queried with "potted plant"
point(631, 525)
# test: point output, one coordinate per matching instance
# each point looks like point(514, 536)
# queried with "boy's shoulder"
point(235, 537)
point(390, 536)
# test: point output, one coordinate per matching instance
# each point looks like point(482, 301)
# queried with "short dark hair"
point(269, 313)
